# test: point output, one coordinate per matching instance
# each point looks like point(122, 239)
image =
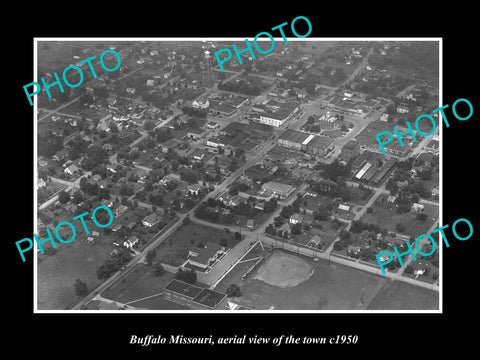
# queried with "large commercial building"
point(367, 139)
point(312, 144)
point(275, 113)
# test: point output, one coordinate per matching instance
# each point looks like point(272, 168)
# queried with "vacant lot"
point(57, 273)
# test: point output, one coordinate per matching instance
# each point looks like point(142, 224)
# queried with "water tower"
point(207, 74)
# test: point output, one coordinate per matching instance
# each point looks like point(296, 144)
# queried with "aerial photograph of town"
point(261, 187)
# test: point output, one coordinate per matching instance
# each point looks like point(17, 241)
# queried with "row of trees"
point(113, 263)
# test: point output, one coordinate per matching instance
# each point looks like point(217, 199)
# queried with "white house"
point(417, 207)
point(130, 242)
point(72, 169)
point(194, 189)
point(41, 183)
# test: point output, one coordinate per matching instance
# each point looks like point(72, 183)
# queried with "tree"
point(344, 127)
point(63, 197)
point(409, 269)
point(296, 229)
point(233, 291)
point(391, 109)
point(422, 216)
point(158, 269)
point(223, 242)
point(338, 245)
point(237, 236)
point(400, 227)
point(81, 288)
point(151, 254)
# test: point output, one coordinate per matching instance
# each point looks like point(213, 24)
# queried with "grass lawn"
point(139, 284)
point(50, 53)
point(174, 250)
point(327, 288)
point(384, 215)
point(337, 287)
point(400, 295)
point(76, 260)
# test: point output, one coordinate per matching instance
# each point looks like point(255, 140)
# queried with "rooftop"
point(182, 288)
point(206, 253)
point(209, 298)
point(294, 136)
point(320, 141)
point(277, 187)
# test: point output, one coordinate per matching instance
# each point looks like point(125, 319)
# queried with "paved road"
point(54, 111)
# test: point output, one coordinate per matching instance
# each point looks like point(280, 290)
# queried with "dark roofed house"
point(151, 220)
point(198, 154)
point(60, 155)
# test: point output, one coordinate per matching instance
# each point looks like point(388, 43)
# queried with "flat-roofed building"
point(293, 139)
point(320, 145)
point(299, 140)
point(180, 292)
point(279, 190)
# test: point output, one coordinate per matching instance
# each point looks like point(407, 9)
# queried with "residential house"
point(403, 109)
point(151, 220)
point(60, 155)
point(130, 242)
point(417, 207)
point(391, 199)
point(116, 227)
point(194, 189)
point(260, 205)
point(107, 147)
point(198, 155)
point(71, 170)
point(120, 210)
point(314, 241)
point(41, 183)
point(295, 219)
point(107, 203)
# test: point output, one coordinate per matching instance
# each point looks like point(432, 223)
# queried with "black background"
point(379, 334)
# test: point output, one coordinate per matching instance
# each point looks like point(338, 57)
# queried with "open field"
point(400, 295)
point(330, 288)
point(57, 273)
